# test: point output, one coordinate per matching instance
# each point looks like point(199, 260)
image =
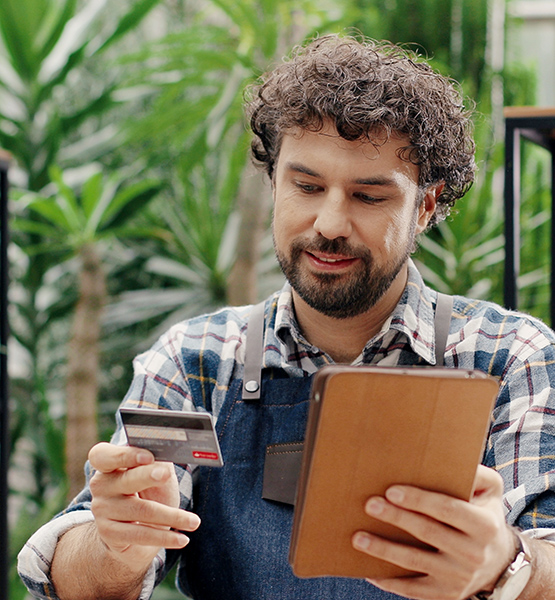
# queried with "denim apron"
point(240, 551)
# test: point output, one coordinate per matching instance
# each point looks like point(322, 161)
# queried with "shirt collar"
point(286, 326)
point(413, 317)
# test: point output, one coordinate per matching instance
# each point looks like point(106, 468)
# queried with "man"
point(366, 147)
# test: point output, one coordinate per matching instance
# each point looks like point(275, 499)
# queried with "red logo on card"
point(207, 455)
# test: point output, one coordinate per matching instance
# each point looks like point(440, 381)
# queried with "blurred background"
point(133, 203)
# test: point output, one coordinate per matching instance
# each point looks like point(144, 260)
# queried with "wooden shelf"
point(512, 112)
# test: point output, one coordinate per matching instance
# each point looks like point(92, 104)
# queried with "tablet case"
point(372, 427)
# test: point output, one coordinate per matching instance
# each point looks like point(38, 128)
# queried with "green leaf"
point(54, 26)
point(241, 12)
point(49, 79)
point(66, 200)
point(65, 249)
point(130, 232)
point(50, 210)
point(18, 34)
point(227, 250)
point(235, 166)
point(128, 202)
point(129, 21)
point(36, 227)
point(91, 193)
point(96, 106)
point(70, 47)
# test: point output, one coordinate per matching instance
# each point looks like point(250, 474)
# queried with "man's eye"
point(308, 188)
point(369, 199)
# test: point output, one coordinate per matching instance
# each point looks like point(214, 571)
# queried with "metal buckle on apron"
point(254, 352)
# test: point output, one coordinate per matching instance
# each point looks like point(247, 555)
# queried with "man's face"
point(345, 219)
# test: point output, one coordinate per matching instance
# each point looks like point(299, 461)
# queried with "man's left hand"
point(474, 544)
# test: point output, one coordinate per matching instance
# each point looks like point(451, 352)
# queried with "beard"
point(338, 295)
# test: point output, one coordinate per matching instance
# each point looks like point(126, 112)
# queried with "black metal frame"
point(538, 126)
point(4, 387)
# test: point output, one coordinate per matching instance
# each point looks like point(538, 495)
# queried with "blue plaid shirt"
point(192, 365)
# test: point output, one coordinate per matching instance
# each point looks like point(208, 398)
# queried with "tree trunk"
point(82, 368)
point(254, 206)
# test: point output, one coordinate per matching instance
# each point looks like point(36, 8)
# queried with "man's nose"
point(334, 219)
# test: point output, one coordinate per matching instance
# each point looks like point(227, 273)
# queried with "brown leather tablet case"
point(372, 427)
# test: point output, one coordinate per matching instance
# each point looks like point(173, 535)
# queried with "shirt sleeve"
point(158, 382)
point(521, 445)
point(35, 558)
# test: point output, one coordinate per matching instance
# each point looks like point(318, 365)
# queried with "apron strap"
point(254, 351)
point(442, 322)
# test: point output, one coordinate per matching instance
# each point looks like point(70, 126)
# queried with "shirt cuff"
point(35, 558)
point(542, 533)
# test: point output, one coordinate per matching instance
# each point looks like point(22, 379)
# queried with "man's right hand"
point(136, 503)
point(136, 513)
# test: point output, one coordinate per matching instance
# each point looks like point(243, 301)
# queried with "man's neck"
point(344, 339)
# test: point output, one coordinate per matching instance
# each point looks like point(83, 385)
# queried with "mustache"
point(335, 246)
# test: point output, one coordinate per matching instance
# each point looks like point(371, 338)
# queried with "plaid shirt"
point(192, 365)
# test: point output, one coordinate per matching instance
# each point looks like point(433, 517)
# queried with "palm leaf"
point(36, 227)
point(52, 211)
point(67, 200)
point(128, 203)
point(129, 21)
point(16, 26)
point(91, 194)
point(55, 26)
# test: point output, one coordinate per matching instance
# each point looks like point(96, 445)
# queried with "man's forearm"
point(84, 569)
point(542, 582)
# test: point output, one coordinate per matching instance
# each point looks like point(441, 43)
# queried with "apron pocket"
point(282, 468)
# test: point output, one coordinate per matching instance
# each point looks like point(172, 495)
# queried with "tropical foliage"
point(68, 225)
point(135, 204)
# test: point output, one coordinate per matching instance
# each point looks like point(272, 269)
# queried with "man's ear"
point(428, 206)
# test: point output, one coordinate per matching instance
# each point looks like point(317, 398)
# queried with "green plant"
point(69, 225)
point(48, 92)
point(195, 130)
point(464, 254)
point(51, 110)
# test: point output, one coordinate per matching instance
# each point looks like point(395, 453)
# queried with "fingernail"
point(361, 541)
point(158, 473)
point(375, 506)
point(183, 540)
point(144, 458)
point(194, 520)
point(395, 494)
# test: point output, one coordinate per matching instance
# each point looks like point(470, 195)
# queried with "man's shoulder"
point(222, 326)
point(225, 326)
point(470, 309)
point(221, 317)
point(498, 325)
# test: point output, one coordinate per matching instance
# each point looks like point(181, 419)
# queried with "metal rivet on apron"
point(252, 386)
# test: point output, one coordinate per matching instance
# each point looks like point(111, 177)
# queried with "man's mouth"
point(330, 260)
point(323, 260)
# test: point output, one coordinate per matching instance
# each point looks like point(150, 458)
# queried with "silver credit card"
point(180, 437)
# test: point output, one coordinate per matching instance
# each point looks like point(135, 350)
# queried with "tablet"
point(370, 428)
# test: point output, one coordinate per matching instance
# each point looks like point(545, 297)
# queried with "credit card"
point(183, 438)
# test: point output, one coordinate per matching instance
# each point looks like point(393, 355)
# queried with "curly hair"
point(369, 90)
